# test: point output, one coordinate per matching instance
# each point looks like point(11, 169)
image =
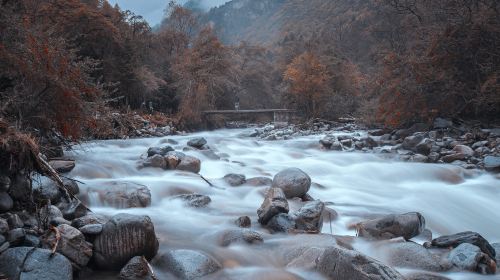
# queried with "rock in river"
point(235, 180)
point(194, 200)
point(197, 143)
point(30, 263)
point(274, 203)
point(189, 163)
point(391, 226)
point(123, 237)
point(188, 264)
point(339, 263)
point(470, 237)
point(136, 269)
point(309, 217)
point(124, 195)
point(293, 181)
point(469, 257)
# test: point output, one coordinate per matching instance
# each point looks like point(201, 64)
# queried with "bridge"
point(279, 115)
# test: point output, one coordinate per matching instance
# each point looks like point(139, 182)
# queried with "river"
point(358, 185)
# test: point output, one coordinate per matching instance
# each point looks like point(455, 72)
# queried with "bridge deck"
point(257, 111)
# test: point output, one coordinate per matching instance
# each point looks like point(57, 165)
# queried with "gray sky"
point(152, 10)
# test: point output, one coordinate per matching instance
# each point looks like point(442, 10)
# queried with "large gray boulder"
point(391, 226)
point(234, 180)
point(194, 200)
point(124, 236)
point(188, 264)
point(71, 244)
point(274, 203)
point(62, 166)
point(492, 163)
point(293, 181)
point(28, 263)
point(248, 236)
point(339, 263)
point(474, 238)
point(155, 161)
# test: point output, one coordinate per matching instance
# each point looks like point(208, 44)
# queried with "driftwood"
point(48, 171)
point(209, 183)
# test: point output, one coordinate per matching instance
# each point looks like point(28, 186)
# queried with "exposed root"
point(56, 241)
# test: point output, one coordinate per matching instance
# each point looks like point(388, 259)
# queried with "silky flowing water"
point(358, 186)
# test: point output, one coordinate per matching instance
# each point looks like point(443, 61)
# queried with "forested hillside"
point(387, 62)
point(398, 61)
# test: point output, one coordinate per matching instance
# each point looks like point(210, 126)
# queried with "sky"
point(152, 10)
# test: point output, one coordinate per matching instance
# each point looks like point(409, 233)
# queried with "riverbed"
point(356, 185)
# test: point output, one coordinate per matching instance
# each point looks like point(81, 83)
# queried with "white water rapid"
point(360, 186)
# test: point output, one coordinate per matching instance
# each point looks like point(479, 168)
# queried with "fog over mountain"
point(153, 10)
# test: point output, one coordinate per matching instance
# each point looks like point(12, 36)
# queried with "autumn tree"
point(204, 77)
point(307, 80)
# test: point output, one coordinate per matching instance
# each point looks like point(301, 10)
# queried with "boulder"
point(274, 203)
point(188, 264)
point(440, 123)
point(162, 151)
point(470, 237)
point(281, 223)
point(259, 181)
point(16, 236)
point(465, 150)
point(71, 186)
point(4, 183)
point(137, 268)
point(125, 195)
point(309, 217)
point(123, 237)
point(492, 163)
point(369, 142)
point(470, 257)
point(243, 222)
point(49, 191)
point(453, 157)
point(338, 263)
point(411, 142)
point(6, 202)
point(173, 159)
point(293, 181)
point(4, 226)
point(235, 180)
point(71, 244)
point(197, 142)
point(189, 163)
point(424, 147)
point(496, 246)
point(194, 200)
point(30, 263)
point(20, 189)
point(327, 142)
point(74, 209)
point(248, 236)
point(89, 219)
point(62, 166)
point(93, 229)
point(414, 256)
point(391, 226)
point(155, 161)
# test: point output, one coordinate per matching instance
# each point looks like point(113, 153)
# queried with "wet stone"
point(123, 237)
point(194, 200)
point(274, 203)
point(470, 237)
point(391, 226)
point(281, 223)
point(30, 263)
point(243, 222)
point(188, 264)
point(136, 269)
point(293, 181)
point(235, 180)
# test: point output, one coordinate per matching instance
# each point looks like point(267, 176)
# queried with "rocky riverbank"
point(465, 145)
point(47, 231)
